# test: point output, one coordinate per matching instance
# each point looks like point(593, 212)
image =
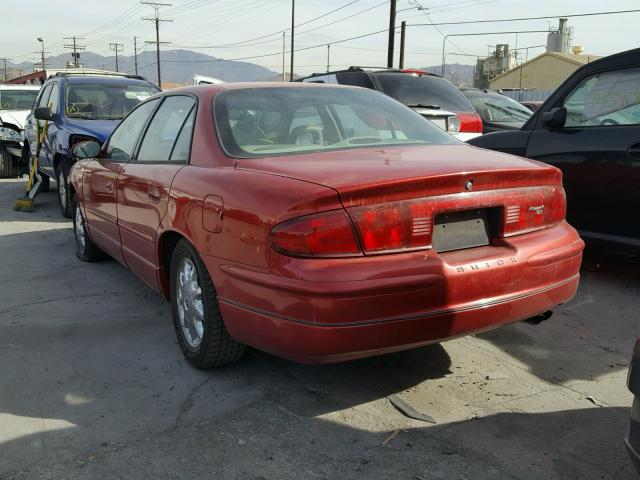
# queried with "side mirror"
point(87, 149)
point(555, 118)
point(43, 113)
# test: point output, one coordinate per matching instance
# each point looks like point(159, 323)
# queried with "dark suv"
point(590, 129)
point(72, 108)
point(428, 94)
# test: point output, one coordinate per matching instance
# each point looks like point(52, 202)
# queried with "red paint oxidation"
point(284, 293)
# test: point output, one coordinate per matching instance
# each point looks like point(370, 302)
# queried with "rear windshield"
point(423, 91)
point(264, 122)
point(104, 101)
point(493, 107)
point(17, 99)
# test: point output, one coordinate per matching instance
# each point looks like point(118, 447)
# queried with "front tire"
point(64, 199)
point(201, 333)
point(86, 250)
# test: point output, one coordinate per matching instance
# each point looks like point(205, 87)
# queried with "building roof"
point(581, 59)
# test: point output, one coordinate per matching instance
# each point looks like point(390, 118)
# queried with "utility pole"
point(293, 20)
point(135, 53)
point(5, 69)
point(328, 57)
point(284, 48)
point(116, 47)
point(392, 31)
point(156, 6)
point(403, 31)
point(75, 47)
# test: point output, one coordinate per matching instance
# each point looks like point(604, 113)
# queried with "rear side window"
point(355, 79)
point(609, 98)
point(423, 90)
point(125, 137)
point(164, 129)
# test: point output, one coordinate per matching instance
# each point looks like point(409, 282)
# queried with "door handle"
point(109, 187)
point(155, 193)
point(634, 151)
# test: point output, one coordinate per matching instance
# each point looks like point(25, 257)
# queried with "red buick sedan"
point(320, 223)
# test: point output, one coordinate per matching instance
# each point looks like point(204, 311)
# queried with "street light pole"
point(293, 19)
point(42, 53)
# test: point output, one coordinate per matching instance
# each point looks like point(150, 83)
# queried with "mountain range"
point(179, 67)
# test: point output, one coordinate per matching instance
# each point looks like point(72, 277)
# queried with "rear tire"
point(86, 250)
point(201, 333)
point(64, 199)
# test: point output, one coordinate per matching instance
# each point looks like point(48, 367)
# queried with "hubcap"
point(62, 190)
point(190, 306)
point(79, 229)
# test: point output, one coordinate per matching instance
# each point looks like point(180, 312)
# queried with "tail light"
point(328, 234)
point(542, 208)
point(397, 226)
point(465, 123)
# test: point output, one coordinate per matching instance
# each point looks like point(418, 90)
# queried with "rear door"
point(48, 149)
point(144, 183)
point(598, 150)
point(100, 177)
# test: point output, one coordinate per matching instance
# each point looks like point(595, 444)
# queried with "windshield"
point(17, 99)
point(499, 108)
point(264, 122)
point(104, 101)
point(424, 91)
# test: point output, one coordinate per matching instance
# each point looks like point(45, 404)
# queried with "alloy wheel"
point(190, 304)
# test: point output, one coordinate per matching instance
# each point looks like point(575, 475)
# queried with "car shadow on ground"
point(589, 336)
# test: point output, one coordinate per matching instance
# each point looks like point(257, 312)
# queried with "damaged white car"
point(16, 102)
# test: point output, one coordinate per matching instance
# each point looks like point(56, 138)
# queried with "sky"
point(254, 28)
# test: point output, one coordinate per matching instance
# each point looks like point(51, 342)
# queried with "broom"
point(25, 204)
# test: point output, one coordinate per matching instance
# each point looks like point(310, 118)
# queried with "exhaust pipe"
point(539, 318)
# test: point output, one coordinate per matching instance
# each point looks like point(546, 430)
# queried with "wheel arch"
point(167, 242)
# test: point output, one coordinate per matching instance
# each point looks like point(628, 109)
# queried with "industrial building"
point(534, 79)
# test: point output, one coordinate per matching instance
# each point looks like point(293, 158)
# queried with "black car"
point(633, 440)
point(430, 95)
point(590, 129)
point(498, 112)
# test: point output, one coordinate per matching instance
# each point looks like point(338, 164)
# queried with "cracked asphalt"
point(93, 385)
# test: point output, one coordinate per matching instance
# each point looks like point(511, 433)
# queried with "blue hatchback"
point(74, 107)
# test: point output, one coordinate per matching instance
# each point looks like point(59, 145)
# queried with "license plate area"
point(467, 229)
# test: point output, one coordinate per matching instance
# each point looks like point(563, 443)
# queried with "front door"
point(598, 151)
point(144, 184)
point(101, 176)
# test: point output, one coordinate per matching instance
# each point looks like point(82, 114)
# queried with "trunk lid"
point(364, 176)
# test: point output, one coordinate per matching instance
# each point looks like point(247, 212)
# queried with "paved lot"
point(93, 385)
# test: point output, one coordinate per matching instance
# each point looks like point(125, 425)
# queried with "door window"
point(53, 98)
point(164, 129)
point(43, 101)
point(124, 138)
point(605, 99)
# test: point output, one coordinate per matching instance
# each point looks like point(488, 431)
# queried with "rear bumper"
point(320, 311)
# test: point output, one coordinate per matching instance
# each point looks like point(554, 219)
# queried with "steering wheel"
point(609, 121)
point(314, 131)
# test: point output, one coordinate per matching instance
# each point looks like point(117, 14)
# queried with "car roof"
point(214, 89)
point(10, 86)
